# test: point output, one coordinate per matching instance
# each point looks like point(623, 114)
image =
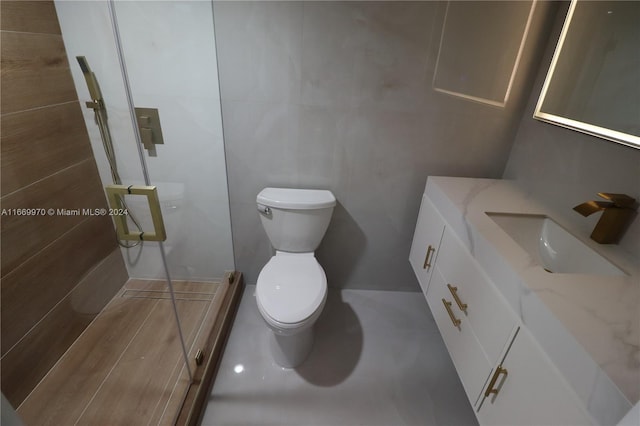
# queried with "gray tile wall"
point(565, 168)
point(338, 95)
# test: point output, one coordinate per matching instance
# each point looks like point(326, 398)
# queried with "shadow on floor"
point(338, 344)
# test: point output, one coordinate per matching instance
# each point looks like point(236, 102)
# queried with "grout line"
point(178, 281)
point(47, 177)
point(167, 291)
point(213, 302)
point(63, 297)
point(70, 346)
point(6, 114)
point(179, 365)
point(30, 32)
point(124, 350)
point(202, 293)
point(184, 299)
point(164, 389)
point(173, 392)
point(179, 362)
point(215, 298)
point(195, 334)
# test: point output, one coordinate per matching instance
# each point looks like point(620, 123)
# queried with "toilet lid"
point(291, 287)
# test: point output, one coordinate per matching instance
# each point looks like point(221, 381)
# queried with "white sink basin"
point(552, 247)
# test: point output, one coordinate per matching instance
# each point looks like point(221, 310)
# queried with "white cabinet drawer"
point(488, 313)
point(470, 361)
point(426, 240)
point(531, 392)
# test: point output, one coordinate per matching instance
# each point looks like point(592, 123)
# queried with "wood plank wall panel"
point(29, 16)
point(48, 139)
point(74, 188)
point(70, 317)
point(35, 71)
point(46, 160)
point(30, 291)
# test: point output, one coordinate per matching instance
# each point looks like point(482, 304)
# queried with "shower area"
point(103, 98)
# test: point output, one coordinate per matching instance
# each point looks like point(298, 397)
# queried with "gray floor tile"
point(378, 359)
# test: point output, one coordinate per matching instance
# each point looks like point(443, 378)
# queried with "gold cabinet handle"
point(494, 379)
point(427, 258)
point(454, 292)
point(447, 305)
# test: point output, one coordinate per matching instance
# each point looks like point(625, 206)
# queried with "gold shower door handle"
point(447, 305)
point(115, 194)
point(454, 292)
point(491, 389)
point(427, 258)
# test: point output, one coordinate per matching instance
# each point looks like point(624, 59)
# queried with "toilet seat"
point(291, 288)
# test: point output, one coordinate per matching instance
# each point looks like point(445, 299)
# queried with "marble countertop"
point(588, 325)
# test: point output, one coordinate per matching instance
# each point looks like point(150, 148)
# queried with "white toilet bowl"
point(290, 294)
point(292, 286)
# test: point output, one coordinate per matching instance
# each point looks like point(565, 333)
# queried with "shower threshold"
point(127, 367)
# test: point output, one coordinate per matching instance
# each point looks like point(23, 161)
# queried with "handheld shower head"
point(84, 65)
point(90, 78)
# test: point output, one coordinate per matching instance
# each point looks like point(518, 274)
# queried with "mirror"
point(593, 83)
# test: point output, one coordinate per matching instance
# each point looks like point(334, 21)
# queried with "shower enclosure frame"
point(199, 379)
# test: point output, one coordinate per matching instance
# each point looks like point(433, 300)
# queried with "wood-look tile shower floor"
point(127, 367)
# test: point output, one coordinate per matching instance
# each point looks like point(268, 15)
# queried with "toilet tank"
point(295, 219)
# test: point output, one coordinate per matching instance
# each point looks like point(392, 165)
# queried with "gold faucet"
point(617, 214)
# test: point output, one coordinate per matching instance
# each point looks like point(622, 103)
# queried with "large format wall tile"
point(48, 139)
point(51, 287)
point(29, 16)
point(267, 68)
point(36, 286)
point(171, 66)
point(35, 71)
point(338, 95)
point(75, 188)
point(25, 364)
point(565, 168)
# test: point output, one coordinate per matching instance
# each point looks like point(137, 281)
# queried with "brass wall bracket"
point(115, 194)
point(199, 357)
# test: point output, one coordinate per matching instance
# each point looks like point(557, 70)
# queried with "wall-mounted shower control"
point(150, 129)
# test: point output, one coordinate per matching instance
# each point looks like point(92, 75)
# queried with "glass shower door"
point(163, 60)
point(169, 50)
point(170, 56)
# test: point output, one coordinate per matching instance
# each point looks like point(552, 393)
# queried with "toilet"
point(292, 286)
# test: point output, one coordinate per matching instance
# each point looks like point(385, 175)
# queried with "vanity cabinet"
point(465, 350)
point(474, 321)
point(507, 376)
point(475, 299)
point(426, 241)
point(528, 390)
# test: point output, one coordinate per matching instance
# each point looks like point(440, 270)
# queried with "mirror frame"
point(590, 129)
